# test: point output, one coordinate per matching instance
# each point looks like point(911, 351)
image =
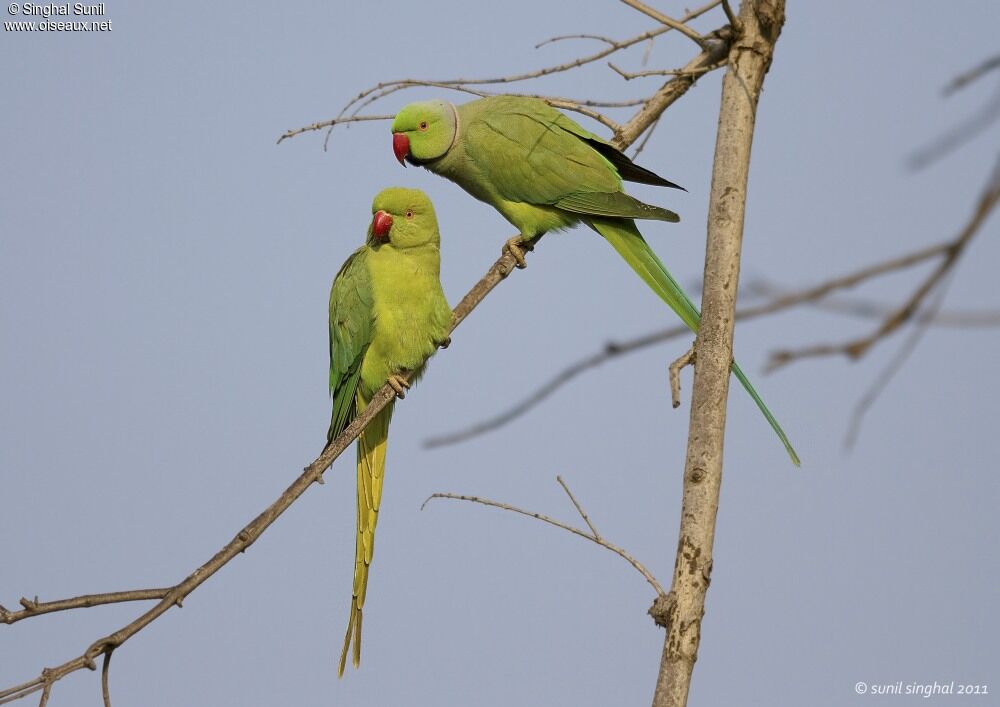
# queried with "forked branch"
point(951, 251)
point(592, 536)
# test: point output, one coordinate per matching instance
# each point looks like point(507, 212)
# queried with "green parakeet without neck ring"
point(387, 315)
point(544, 172)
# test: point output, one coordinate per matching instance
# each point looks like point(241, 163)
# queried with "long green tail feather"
point(625, 238)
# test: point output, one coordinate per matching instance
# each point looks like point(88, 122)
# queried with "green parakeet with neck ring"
point(544, 172)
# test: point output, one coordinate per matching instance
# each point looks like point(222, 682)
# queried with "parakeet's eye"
point(423, 125)
point(409, 213)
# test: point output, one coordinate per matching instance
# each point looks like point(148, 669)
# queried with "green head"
point(403, 218)
point(424, 131)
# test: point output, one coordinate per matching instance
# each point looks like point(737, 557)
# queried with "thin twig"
point(870, 309)
point(564, 37)
point(582, 106)
point(673, 89)
point(105, 669)
point(579, 508)
point(964, 79)
point(856, 348)
point(467, 83)
point(668, 21)
point(645, 139)
point(42, 682)
point(647, 51)
point(959, 135)
point(625, 134)
point(37, 608)
point(330, 123)
point(558, 68)
point(948, 319)
point(675, 375)
point(895, 365)
point(629, 75)
point(573, 104)
point(734, 21)
point(622, 553)
point(22, 690)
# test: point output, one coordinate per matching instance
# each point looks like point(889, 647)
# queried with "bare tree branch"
point(964, 79)
point(329, 124)
point(549, 70)
point(579, 508)
point(895, 365)
point(350, 112)
point(629, 75)
point(964, 132)
point(857, 348)
point(249, 534)
point(672, 90)
point(870, 309)
point(25, 689)
point(105, 669)
point(668, 21)
point(37, 608)
point(591, 536)
point(749, 60)
point(581, 106)
point(969, 128)
point(734, 21)
point(614, 349)
point(687, 359)
point(645, 139)
point(564, 37)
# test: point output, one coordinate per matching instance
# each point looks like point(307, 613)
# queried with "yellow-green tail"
point(625, 238)
point(371, 471)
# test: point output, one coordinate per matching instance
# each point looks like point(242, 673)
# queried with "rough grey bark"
point(682, 609)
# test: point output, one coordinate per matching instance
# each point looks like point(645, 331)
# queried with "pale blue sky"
point(164, 271)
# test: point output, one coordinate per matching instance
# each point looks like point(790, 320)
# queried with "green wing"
point(614, 204)
point(525, 150)
point(352, 317)
point(532, 153)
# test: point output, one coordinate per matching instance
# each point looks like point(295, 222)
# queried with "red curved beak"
point(381, 225)
point(400, 147)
